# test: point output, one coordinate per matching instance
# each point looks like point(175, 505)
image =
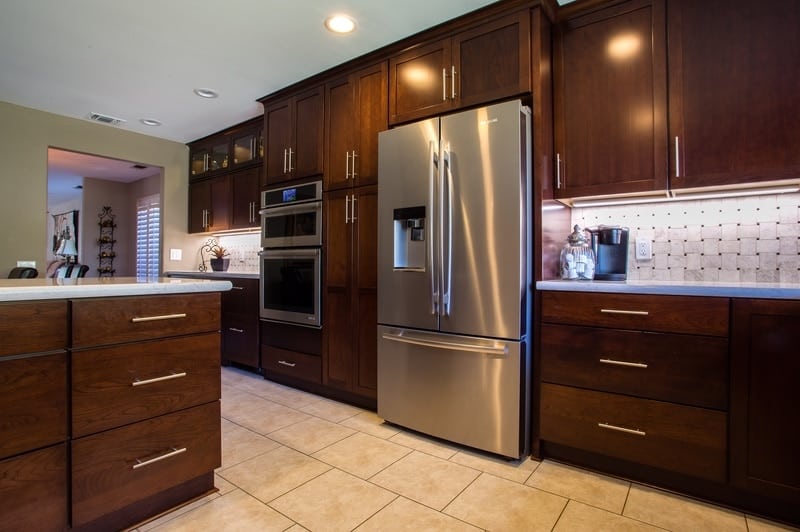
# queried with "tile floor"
point(295, 461)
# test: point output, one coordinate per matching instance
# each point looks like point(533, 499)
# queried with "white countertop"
point(46, 288)
point(679, 288)
point(214, 275)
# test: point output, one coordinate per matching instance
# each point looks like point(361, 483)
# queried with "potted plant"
point(219, 263)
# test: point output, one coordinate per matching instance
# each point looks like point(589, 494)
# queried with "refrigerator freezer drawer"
point(463, 389)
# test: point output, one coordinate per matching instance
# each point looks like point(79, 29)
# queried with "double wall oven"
point(291, 256)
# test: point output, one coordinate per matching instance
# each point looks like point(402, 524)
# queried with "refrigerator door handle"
point(434, 164)
point(497, 349)
point(447, 183)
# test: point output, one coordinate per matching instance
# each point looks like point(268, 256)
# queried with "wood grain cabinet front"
point(34, 490)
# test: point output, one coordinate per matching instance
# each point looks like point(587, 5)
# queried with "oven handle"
point(292, 209)
point(296, 253)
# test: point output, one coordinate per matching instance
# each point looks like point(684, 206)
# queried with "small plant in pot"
point(219, 262)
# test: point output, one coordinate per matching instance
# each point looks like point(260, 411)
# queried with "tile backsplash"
point(752, 239)
point(243, 251)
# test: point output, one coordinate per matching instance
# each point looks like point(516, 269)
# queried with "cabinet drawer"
point(33, 327)
point(240, 339)
point(291, 363)
point(33, 402)
point(683, 439)
point(120, 467)
point(242, 297)
point(34, 490)
point(117, 385)
point(678, 314)
point(670, 367)
point(128, 319)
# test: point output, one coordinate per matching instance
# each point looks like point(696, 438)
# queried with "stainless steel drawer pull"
point(234, 329)
point(171, 376)
point(622, 429)
point(284, 363)
point(626, 312)
point(623, 363)
point(237, 288)
point(157, 318)
point(173, 452)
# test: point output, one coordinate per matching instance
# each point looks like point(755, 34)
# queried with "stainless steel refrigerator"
point(454, 243)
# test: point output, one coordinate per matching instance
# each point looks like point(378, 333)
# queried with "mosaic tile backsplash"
point(243, 251)
point(755, 239)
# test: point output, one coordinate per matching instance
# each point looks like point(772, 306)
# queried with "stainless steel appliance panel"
point(290, 285)
point(408, 159)
point(292, 216)
point(460, 388)
point(484, 211)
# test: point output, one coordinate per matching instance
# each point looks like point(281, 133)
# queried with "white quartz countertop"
point(679, 288)
point(46, 288)
point(214, 275)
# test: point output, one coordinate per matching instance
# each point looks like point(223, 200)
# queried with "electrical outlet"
point(644, 249)
point(26, 263)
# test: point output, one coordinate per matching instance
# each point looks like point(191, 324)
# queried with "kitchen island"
point(691, 386)
point(109, 399)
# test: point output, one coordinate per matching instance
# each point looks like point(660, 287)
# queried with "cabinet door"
point(372, 111)
point(277, 141)
point(418, 84)
point(765, 433)
point(34, 488)
point(492, 61)
point(199, 205)
point(209, 205)
point(340, 128)
point(307, 153)
point(610, 101)
point(245, 188)
point(220, 203)
point(733, 94)
point(246, 144)
point(365, 290)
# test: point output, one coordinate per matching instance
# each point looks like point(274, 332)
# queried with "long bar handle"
point(453, 82)
point(558, 171)
point(237, 288)
point(635, 432)
point(613, 362)
point(285, 151)
point(169, 377)
point(449, 175)
point(625, 312)
point(291, 152)
point(347, 165)
point(677, 156)
point(285, 363)
point(353, 209)
point(346, 209)
point(353, 173)
point(234, 329)
point(434, 162)
point(444, 84)
point(159, 318)
point(173, 452)
point(453, 346)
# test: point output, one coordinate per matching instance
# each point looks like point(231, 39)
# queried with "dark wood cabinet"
point(734, 103)
point(208, 156)
point(209, 205)
point(356, 111)
point(240, 327)
point(293, 136)
point(350, 293)
point(488, 62)
point(610, 101)
point(34, 488)
point(226, 150)
point(245, 189)
point(765, 432)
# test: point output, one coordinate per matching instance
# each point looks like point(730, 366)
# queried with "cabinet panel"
point(277, 139)
point(34, 489)
point(373, 108)
point(245, 187)
point(240, 339)
point(242, 298)
point(33, 402)
point(117, 468)
point(123, 384)
point(765, 433)
point(734, 103)
point(340, 110)
point(209, 205)
point(417, 82)
point(308, 132)
point(33, 327)
point(291, 363)
point(610, 101)
point(678, 438)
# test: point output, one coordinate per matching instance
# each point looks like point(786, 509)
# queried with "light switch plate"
point(175, 254)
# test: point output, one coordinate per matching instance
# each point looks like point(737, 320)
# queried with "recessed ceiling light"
point(340, 24)
point(206, 93)
point(150, 121)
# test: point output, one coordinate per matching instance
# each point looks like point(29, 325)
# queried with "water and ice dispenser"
point(409, 238)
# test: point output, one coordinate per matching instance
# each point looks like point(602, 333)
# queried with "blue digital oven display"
point(289, 194)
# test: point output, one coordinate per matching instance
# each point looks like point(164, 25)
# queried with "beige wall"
point(25, 135)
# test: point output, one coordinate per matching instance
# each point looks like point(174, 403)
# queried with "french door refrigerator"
point(454, 244)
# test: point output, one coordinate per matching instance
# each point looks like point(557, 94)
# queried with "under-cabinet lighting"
point(619, 201)
point(677, 195)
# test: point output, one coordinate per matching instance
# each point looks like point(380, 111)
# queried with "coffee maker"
point(610, 246)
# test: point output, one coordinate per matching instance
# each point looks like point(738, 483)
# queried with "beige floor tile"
point(275, 473)
point(279, 393)
point(673, 512)
point(261, 415)
point(222, 485)
point(427, 445)
point(235, 511)
point(362, 455)
point(426, 479)
point(757, 524)
point(516, 470)
point(403, 515)
point(333, 501)
point(579, 517)
point(150, 525)
point(331, 410)
point(495, 503)
point(240, 444)
point(372, 424)
point(311, 435)
point(597, 490)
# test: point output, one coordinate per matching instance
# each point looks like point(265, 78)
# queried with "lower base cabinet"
point(33, 489)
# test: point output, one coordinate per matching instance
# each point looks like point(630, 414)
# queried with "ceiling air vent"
point(105, 119)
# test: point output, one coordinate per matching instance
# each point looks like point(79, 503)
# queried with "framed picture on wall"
point(65, 234)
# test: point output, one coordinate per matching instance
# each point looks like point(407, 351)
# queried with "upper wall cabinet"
point(489, 62)
point(355, 112)
point(610, 101)
point(734, 91)
point(293, 136)
point(226, 150)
